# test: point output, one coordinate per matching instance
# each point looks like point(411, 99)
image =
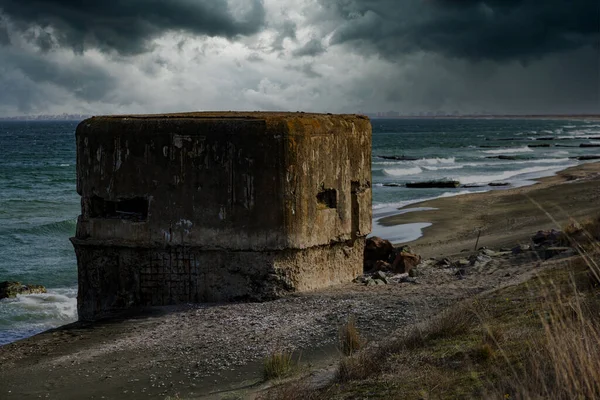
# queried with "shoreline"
point(504, 216)
point(197, 349)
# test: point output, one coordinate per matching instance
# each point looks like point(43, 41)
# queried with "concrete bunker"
point(211, 207)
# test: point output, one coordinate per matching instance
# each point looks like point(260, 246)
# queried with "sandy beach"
point(206, 351)
point(504, 217)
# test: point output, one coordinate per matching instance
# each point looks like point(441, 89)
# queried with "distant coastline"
point(494, 116)
point(59, 117)
point(81, 117)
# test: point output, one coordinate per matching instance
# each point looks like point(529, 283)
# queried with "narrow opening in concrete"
point(135, 209)
point(327, 198)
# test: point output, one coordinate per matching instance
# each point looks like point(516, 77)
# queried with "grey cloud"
point(286, 30)
point(128, 26)
point(4, 37)
point(307, 69)
point(497, 30)
point(312, 48)
point(558, 83)
point(83, 80)
point(254, 57)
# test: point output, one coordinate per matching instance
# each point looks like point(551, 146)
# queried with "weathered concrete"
point(218, 207)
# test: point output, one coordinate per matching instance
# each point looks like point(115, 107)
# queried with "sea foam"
point(402, 171)
point(512, 150)
point(471, 179)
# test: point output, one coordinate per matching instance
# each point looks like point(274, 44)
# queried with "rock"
point(505, 250)
point(463, 262)
point(479, 260)
point(405, 261)
point(413, 273)
point(489, 253)
point(444, 263)
point(589, 145)
point(504, 157)
point(538, 145)
point(377, 249)
point(398, 158)
point(588, 158)
point(557, 251)
point(546, 238)
point(498, 184)
point(380, 282)
point(408, 279)
point(382, 266)
point(12, 289)
point(546, 138)
point(398, 278)
point(433, 184)
point(520, 248)
point(392, 185)
point(469, 186)
point(380, 275)
point(461, 273)
point(370, 282)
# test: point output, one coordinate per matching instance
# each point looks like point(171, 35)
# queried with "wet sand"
point(504, 217)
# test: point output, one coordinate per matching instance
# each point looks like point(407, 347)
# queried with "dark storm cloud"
point(4, 37)
point(497, 30)
point(312, 48)
point(127, 26)
point(83, 80)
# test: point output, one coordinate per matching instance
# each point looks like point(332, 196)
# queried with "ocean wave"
point(585, 132)
point(471, 179)
point(572, 137)
point(431, 168)
point(434, 161)
point(400, 204)
point(53, 228)
point(513, 150)
point(402, 171)
point(24, 316)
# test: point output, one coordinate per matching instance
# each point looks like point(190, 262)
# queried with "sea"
point(39, 204)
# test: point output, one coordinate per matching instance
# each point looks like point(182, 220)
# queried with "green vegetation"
point(539, 339)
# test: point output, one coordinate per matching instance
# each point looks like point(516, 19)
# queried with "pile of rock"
point(548, 244)
point(12, 289)
point(478, 260)
point(385, 264)
point(381, 255)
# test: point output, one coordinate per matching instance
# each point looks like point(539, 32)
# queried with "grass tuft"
point(349, 339)
point(278, 364)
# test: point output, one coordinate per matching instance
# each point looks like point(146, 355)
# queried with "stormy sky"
point(145, 56)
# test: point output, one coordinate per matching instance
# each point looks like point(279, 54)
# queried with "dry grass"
point(536, 340)
point(279, 364)
point(540, 339)
point(564, 361)
point(349, 339)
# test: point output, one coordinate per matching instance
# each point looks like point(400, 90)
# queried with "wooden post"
point(477, 242)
